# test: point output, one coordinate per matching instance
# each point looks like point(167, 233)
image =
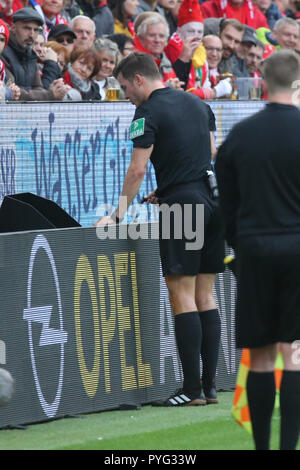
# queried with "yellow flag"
point(199, 57)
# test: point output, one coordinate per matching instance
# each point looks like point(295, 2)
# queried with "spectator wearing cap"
point(270, 10)
point(101, 15)
point(185, 47)
point(124, 12)
point(64, 35)
point(85, 30)
point(249, 39)
point(241, 10)
point(11, 92)
point(21, 61)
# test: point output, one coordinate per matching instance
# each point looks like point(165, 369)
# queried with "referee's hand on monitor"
point(105, 220)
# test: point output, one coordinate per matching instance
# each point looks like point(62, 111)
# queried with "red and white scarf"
point(2, 71)
point(58, 20)
point(256, 74)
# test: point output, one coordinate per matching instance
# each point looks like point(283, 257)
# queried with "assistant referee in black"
point(258, 172)
point(171, 128)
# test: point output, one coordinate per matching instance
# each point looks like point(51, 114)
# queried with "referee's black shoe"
point(181, 398)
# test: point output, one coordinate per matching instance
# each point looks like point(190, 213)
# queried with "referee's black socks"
point(261, 393)
point(289, 409)
point(211, 335)
point(188, 334)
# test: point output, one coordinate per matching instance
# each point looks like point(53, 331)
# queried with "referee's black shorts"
point(268, 290)
point(175, 257)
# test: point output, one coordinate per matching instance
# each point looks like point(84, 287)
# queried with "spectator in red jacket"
point(242, 10)
point(152, 36)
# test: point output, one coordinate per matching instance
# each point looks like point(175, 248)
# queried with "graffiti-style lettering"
point(7, 172)
point(80, 172)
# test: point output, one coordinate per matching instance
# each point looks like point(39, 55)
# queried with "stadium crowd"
point(68, 49)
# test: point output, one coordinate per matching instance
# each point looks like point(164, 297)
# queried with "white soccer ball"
point(6, 387)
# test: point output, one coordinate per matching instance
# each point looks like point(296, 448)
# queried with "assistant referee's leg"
point(290, 396)
point(188, 329)
point(261, 393)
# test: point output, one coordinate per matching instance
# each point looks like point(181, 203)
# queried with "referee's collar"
point(275, 104)
point(158, 90)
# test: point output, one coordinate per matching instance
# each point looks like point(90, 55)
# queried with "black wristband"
point(115, 218)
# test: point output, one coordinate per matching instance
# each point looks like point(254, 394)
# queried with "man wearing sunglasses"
point(63, 34)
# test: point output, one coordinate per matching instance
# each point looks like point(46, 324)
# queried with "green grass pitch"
point(151, 428)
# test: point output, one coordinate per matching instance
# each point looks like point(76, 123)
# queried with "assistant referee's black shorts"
point(175, 257)
point(268, 290)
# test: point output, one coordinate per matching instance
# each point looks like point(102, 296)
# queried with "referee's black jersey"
point(258, 173)
point(176, 123)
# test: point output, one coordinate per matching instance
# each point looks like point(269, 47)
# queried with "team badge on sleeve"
point(137, 128)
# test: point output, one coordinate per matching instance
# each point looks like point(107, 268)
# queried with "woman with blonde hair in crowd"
point(110, 57)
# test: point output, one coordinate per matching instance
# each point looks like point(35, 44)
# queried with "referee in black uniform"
point(171, 128)
point(258, 171)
